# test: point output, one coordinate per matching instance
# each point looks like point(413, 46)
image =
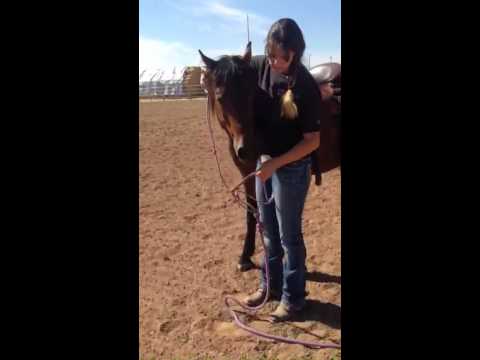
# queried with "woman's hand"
point(309, 143)
point(267, 169)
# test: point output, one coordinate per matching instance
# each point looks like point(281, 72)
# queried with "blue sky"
point(172, 31)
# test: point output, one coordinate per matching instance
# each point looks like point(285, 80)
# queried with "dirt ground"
point(191, 235)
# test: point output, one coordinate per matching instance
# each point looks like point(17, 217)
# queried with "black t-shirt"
point(279, 134)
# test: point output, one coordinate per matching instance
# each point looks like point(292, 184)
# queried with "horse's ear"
point(210, 63)
point(247, 56)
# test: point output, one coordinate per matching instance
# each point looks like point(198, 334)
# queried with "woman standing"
point(288, 124)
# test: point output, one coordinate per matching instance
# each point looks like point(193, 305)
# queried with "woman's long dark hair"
point(287, 35)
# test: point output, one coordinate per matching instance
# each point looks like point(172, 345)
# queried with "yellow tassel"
point(289, 108)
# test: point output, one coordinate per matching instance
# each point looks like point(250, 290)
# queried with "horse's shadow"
point(317, 276)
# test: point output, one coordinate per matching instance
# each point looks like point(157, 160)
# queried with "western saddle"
point(327, 157)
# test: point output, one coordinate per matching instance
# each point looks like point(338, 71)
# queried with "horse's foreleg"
point(245, 262)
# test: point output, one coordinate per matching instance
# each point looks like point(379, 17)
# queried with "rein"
point(230, 299)
point(234, 191)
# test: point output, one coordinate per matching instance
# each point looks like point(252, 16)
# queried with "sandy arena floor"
point(191, 235)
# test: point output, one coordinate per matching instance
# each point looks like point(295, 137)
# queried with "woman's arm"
point(309, 143)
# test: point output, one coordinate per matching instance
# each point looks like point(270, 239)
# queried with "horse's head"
point(231, 83)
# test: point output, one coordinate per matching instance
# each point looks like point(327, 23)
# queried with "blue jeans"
point(282, 229)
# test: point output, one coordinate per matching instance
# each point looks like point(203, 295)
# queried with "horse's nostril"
point(242, 154)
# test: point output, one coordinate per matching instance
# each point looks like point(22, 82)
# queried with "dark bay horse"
point(231, 84)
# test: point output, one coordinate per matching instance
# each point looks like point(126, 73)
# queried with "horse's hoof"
point(245, 265)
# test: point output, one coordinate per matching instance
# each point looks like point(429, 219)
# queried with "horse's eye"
point(219, 91)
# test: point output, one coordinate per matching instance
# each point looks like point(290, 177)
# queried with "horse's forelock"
point(233, 77)
point(228, 69)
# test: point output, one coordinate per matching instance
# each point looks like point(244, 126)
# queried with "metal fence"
point(169, 88)
point(188, 86)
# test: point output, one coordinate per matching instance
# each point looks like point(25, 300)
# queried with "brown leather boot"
point(258, 296)
point(284, 312)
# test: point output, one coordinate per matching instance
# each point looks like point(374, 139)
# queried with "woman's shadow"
point(315, 310)
point(326, 313)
